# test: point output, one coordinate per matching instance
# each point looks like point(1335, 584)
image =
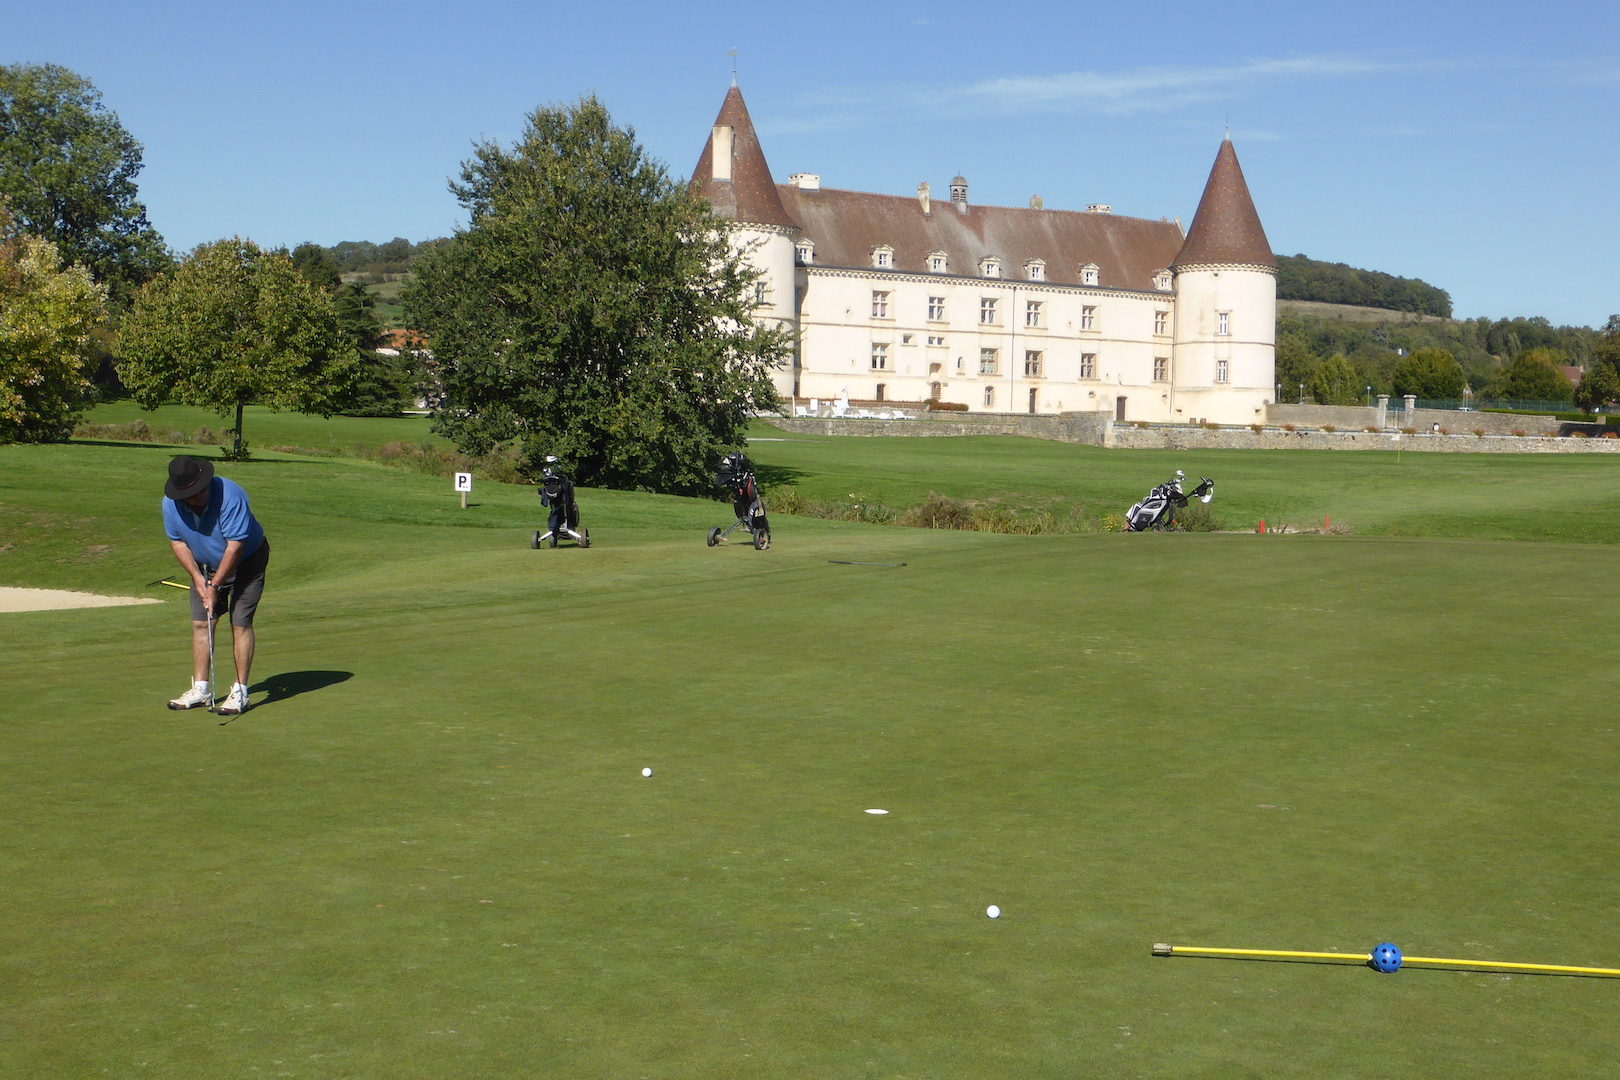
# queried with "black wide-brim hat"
point(187, 476)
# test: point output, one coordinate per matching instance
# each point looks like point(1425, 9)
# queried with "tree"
point(592, 309)
point(47, 313)
point(1606, 346)
point(1335, 382)
point(317, 266)
point(68, 169)
point(1433, 374)
point(1599, 386)
point(1534, 376)
point(235, 326)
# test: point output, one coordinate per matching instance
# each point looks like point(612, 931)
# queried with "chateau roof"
point(750, 195)
point(1226, 228)
point(846, 225)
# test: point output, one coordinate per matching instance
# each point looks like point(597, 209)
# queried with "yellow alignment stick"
point(1191, 950)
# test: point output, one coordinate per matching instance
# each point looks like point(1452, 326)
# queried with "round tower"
point(1225, 354)
point(733, 176)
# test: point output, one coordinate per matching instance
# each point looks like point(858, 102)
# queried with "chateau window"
point(990, 266)
point(1088, 274)
point(1088, 318)
point(989, 397)
point(1161, 369)
point(882, 392)
point(1161, 322)
point(1032, 364)
point(938, 263)
point(880, 305)
point(1032, 313)
point(883, 257)
point(937, 339)
point(1161, 281)
point(1035, 270)
point(1223, 323)
point(806, 252)
point(936, 309)
point(988, 362)
point(1088, 365)
point(761, 292)
point(880, 356)
point(987, 311)
point(1222, 371)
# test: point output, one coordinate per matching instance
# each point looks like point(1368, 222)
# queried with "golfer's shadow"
point(292, 683)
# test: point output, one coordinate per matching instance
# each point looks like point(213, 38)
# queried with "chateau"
point(1004, 309)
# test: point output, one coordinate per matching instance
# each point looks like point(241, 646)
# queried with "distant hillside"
point(1301, 278)
point(1353, 313)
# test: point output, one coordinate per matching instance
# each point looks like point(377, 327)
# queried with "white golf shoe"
point(236, 703)
point(191, 699)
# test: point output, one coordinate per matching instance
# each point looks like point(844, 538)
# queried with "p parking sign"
point(463, 485)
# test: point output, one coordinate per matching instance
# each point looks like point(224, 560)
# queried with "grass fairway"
point(431, 853)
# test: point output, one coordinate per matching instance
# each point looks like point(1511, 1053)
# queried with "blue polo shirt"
point(225, 518)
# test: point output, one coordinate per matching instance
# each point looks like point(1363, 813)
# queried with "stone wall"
point(1358, 417)
point(1087, 428)
point(1099, 429)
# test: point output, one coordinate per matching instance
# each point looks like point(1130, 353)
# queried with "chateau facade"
point(1004, 309)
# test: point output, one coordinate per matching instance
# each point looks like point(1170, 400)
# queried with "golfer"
point(219, 543)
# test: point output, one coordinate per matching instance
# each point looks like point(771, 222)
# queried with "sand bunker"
point(59, 599)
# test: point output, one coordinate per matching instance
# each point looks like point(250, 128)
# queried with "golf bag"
point(557, 492)
point(1158, 510)
point(736, 478)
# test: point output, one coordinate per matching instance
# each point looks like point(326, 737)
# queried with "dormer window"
point(1161, 281)
point(990, 266)
point(1088, 274)
point(938, 263)
point(883, 257)
point(1035, 270)
point(805, 252)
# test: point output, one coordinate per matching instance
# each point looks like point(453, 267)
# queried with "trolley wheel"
point(535, 542)
point(714, 536)
point(762, 540)
point(584, 538)
point(553, 539)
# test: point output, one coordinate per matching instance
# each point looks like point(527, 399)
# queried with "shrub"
point(1519, 432)
point(1372, 428)
point(1329, 428)
point(1197, 517)
point(1479, 431)
point(946, 406)
point(1113, 523)
point(1445, 431)
point(1611, 435)
point(1257, 428)
point(938, 512)
point(1408, 431)
point(1288, 427)
point(1207, 426)
point(1577, 435)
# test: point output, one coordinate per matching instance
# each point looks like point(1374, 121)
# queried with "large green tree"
point(1597, 387)
point(1335, 382)
point(68, 169)
point(1534, 376)
point(233, 326)
point(592, 308)
point(47, 313)
point(1431, 374)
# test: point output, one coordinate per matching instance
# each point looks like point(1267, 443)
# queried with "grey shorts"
point(240, 595)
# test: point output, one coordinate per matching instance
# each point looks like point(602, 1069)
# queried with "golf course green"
point(429, 850)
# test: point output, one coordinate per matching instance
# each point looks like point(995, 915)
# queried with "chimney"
point(1036, 202)
point(959, 194)
point(1099, 208)
point(922, 197)
point(805, 181)
point(722, 152)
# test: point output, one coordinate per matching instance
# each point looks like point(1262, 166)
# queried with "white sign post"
point(464, 485)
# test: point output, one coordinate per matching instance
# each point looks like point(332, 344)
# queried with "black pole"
point(236, 452)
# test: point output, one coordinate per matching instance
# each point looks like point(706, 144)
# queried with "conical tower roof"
point(750, 195)
point(1226, 228)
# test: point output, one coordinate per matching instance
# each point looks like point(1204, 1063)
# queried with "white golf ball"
point(646, 772)
point(993, 911)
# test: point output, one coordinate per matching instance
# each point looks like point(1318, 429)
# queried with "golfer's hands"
point(204, 590)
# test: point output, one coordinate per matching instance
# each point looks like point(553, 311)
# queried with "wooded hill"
point(1301, 278)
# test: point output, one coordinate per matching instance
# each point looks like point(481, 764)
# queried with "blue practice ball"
point(1386, 958)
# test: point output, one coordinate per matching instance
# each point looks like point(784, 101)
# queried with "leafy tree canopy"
point(316, 265)
point(1300, 278)
point(1606, 346)
point(1335, 382)
point(68, 169)
point(1599, 386)
point(1534, 376)
point(592, 309)
point(47, 313)
point(234, 325)
point(1430, 374)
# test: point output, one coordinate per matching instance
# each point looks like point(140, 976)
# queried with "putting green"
point(432, 852)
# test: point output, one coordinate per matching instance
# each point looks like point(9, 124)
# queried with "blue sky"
point(1474, 145)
